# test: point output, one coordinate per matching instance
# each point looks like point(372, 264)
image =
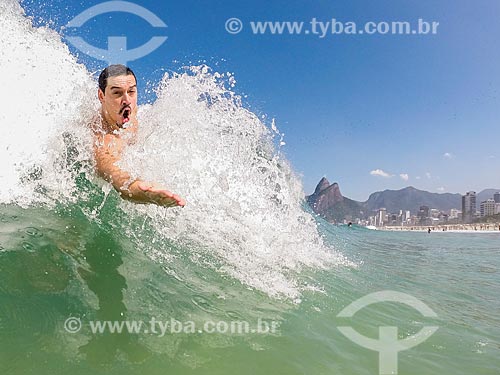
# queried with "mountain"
point(485, 194)
point(328, 202)
point(411, 199)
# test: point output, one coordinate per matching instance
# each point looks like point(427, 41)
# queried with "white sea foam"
point(44, 93)
point(243, 199)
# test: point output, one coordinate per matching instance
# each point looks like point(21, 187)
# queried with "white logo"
point(73, 325)
point(117, 52)
point(234, 25)
point(388, 344)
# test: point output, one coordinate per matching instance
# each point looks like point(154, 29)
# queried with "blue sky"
point(425, 106)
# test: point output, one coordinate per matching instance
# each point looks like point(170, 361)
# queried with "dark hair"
point(113, 71)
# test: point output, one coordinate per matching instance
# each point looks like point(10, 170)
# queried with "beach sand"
point(454, 228)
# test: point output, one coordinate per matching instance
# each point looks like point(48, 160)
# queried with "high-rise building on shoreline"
point(487, 207)
point(468, 206)
point(496, 197)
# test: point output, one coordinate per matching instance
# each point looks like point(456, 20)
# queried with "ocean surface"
point(245, 249)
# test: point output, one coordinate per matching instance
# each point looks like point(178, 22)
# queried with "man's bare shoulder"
point(109, 142)
point(113, 137)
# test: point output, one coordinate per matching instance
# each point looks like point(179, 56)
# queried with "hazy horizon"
point(346, 194)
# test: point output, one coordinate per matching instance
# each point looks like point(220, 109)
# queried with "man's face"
point(119, 101)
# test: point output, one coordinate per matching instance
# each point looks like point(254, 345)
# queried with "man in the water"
point(116, 128)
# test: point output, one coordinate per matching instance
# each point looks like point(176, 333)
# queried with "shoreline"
point(452, 228)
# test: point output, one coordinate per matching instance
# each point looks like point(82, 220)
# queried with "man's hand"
point(158, 195)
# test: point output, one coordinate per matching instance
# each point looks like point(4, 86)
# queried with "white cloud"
point(417, 178)
point(440, 189)
point(448, 155)
point(428, 175)
point(380, 173)
point(404, 176)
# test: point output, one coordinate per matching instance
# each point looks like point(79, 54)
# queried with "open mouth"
point(126, 114)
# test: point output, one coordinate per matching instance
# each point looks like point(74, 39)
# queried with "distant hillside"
point(411, 199)
point(485, 194)
point(327, 201)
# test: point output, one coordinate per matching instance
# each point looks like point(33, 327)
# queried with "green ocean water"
point(57, 263)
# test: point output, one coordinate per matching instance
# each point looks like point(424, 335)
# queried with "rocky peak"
point(322, 185)
point(325, 196)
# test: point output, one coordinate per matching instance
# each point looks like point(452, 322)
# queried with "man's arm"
point(107, 154)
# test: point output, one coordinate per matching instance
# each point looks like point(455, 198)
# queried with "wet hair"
point(114, 71)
